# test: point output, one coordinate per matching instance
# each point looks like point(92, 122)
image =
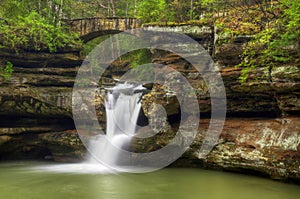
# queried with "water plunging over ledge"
point(123, 104)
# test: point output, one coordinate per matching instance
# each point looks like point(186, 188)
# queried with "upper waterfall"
point(123, 104)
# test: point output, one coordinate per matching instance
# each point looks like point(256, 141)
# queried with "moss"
point(286, 73)
point(172, 24)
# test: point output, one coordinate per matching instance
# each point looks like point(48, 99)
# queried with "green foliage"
point(278, 43)
point(34, 33)
point(134, 59)
point(146, 10)
point(180, 10)
point(11, 9)
point(154, 10)
point(245, 73)
point(89, 46)
point(170, 24)
point(6, 72)
point(169, 10)
point(273, 23)
point(139, 57)
point(285, 46)
point(51, 10)
point(139, 62)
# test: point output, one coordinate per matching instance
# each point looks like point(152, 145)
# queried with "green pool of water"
point(36, 181)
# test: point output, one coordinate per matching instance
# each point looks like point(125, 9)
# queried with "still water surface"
point(35, 180)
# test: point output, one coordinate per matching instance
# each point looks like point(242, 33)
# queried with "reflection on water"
point(36, 181)
point(88, 168)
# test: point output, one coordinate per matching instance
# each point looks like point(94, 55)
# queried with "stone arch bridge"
point(90, 28)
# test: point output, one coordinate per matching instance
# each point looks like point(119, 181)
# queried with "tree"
point(35, 33)
point(287, 43)
point(151, 10)
point(52, 10)
point(278, 43)
point(191, 9)
point(180, 10)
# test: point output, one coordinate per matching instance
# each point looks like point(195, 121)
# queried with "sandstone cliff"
point(261, 133)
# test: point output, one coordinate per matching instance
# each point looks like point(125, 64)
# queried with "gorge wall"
point(261, 133)
point(35, 107)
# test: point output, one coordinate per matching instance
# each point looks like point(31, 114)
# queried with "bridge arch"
point(90, 36)
point(90, 28)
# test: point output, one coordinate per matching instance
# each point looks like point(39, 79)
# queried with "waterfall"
point(123, 104)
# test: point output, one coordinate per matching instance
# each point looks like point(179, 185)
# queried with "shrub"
point(34, 33)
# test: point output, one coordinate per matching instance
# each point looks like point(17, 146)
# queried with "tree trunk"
point(113, 8)
point(108, 8)
point(192, 10)
point(60, 12)
point(127, 6)
point(39, 7)
point(135, 8)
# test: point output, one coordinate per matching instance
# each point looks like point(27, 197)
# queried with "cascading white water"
point(123, 104)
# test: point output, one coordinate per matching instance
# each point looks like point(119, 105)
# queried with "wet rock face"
point(229, 53)
point(267, 93)
point(202, 34)
point(41, 60)
point(36, 102)
point(263, 146)
point(64, 146)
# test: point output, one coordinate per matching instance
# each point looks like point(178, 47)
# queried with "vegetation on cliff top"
point(274, 25)
point(276, 38)
point(34, 33)
point(37, 25)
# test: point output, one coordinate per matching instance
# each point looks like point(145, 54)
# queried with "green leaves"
point(150, 11)
point(6, 72)
point(34, 33)
point(278, 43)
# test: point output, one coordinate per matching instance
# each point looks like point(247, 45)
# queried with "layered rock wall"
point(261, 133)
point(35, 107)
